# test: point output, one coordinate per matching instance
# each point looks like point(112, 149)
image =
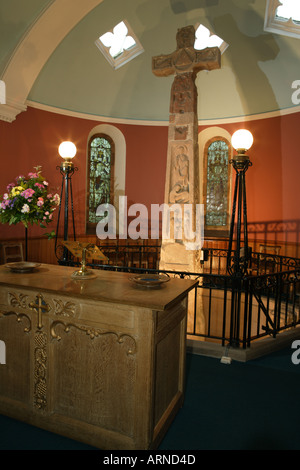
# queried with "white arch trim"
point(143, 122)
point(33, 51)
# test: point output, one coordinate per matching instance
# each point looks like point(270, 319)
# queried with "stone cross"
point(182, 175)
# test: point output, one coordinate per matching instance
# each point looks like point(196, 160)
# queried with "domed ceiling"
point(51, 44)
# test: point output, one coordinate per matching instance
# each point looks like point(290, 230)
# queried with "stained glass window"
point(100, 176)
point(217, 184)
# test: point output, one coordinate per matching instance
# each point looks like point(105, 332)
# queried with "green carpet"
point(241, 406)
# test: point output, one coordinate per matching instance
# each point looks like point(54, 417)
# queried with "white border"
point(142, 122)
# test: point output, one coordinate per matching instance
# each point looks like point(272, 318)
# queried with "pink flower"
point(46, 213)
point(10, 186)
point(39, 185)
point(27, 193)
point(33, 175)
point(40, 201)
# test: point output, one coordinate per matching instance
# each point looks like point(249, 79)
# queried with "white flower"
point(56, 199)
point(25, 208)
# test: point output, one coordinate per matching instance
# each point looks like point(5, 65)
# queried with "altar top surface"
point(107, 286)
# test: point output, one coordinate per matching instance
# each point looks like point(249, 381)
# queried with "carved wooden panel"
point(167, 360)
point(88, 368)
point(104, 367)
point(14, 379)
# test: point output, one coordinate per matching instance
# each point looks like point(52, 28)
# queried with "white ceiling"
point(48, 58)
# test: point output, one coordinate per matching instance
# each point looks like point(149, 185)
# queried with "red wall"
point(33, 139)
point(264, 179)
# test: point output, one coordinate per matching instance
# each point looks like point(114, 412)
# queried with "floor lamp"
point(238, 258)
point(67, 151)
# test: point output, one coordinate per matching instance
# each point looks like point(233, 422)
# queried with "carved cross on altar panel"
point(40, 307)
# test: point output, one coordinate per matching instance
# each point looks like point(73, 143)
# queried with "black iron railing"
point(264, 303)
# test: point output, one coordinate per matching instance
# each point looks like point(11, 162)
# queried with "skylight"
point(283, 17)
point(205, 38)
point(119, 45)
point(289, 9)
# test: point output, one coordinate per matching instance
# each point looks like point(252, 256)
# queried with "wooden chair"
point(12, 252)
point(270, 249)
point(267, 256)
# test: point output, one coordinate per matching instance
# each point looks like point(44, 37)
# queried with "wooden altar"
point(101, 361)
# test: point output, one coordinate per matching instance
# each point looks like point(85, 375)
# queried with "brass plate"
point(150, 280)
point(22, 266)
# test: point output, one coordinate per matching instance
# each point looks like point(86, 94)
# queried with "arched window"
point(217, 184)
point(113, 141)
point(215, 153)
point(100, 176)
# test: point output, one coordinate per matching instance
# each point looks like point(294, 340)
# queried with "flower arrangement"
point(28, 201)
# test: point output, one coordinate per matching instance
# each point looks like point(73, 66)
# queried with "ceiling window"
point(120, 45)
point(283, 17)
point(288, 9)
point(205, 38)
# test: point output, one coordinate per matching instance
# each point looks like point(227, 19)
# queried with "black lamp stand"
point(238, 258)
point(67, 170)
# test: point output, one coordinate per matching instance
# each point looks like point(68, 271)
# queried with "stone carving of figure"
point(180, 178)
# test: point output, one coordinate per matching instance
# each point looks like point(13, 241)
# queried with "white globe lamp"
point(67, 150)
point(242, 140)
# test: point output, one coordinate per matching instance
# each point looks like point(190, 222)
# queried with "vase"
point(26, 244)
